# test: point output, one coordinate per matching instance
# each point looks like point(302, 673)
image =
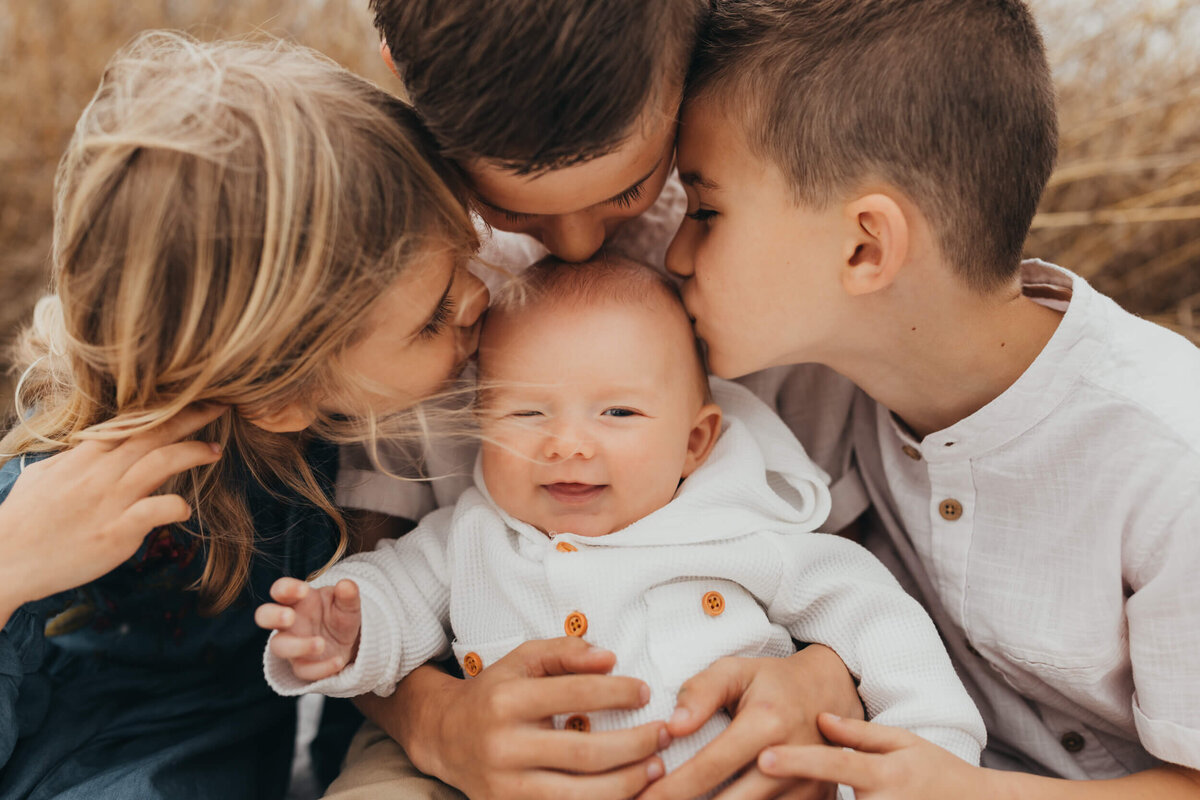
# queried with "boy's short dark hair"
point(537, 84)
point(951, 101)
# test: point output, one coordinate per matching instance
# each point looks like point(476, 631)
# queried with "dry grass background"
point(1123, 208)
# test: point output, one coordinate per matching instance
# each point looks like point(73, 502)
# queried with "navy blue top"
point(120, 688)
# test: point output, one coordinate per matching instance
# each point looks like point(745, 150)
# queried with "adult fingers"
point(599, 751)
point(752, 784)
point(868, 737)
point(153, 512)
point(822, 763)
point(561, 656)
point(153, 469)
point(613, 785)
point(719, 686)
point(274, 617)
point(180, 426)
point(533, 700)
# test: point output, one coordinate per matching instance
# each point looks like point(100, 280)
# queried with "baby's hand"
point(317, 628)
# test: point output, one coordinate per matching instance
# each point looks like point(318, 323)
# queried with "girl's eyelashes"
point(437, 323)
point(702, 214)
point(630, 196)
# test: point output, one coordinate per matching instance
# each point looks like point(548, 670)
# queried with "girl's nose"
point(474, 301)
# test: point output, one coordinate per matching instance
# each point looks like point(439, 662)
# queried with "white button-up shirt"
point(1054, 535)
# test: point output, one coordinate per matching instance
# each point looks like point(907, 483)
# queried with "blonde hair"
point(224, 215)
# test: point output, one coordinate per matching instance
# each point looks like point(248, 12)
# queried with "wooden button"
point(1072, 742)
point(950, 509)
point(576, 624)
point(472, 664)
point(911, 452)
point(714, 603)
point(578, 722)
point(565, 547)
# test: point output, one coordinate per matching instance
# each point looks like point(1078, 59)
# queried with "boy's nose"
point(679, 254)
point(573, 237)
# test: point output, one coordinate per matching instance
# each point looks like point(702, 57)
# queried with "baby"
point(616, 501)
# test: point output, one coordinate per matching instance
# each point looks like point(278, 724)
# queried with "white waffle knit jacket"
point(473, 579)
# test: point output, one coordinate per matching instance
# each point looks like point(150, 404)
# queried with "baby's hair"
point(607, 278)
point(536, 85)
point(225, 215)
point(950, 101)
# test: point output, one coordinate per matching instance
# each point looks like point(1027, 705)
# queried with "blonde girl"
point(255, 254)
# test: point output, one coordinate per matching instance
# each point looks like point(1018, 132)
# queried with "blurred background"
point(1123, 208)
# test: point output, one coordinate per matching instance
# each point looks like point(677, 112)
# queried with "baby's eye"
point(702, 214)
point(619, 412)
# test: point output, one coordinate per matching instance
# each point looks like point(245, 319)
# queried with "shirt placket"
point(951, 524)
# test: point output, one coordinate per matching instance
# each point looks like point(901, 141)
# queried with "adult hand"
point(492, 735)
point(885, 764)
point(78, 514)
point(772, 701)
point(318, 629)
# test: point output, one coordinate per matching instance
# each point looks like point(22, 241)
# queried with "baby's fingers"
point(291, 647)
point(289, 591)
point(274, 617)
point(310, 671)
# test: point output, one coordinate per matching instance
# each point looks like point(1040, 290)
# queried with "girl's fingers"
point(291, 647)
point(600, 751)
point(289, 591)
point(153, 512)
point(153, 469)
point(822, 763)
point(867, 737)
point(180, 426)
point(274, 617)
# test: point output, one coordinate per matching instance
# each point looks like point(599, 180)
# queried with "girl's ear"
point(289, 419)
point(386, 53)
point(879, 246)
point(705, 431)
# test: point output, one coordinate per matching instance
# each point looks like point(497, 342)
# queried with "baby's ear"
point(703, 436)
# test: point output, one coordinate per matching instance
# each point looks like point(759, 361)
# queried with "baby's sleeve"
point(1163, 616)
point(834, 592)
point(405, 592)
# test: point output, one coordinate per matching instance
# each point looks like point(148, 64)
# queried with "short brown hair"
point(951, 101)
point(537, 85)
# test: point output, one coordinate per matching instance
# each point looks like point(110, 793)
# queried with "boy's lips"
point(573, 493)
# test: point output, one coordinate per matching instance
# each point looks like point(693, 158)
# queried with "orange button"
point(911, 452)
point(576, 624)
point(714, 604)
point(472, 664)
point(577, 722)
point(565, 547)
point(950, 509)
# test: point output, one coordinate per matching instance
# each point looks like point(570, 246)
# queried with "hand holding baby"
point(316, 630)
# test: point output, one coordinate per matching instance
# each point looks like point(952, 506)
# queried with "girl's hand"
point(772, 701)
point(492, 736)
point(318, 628)
point(78, 514)
point(886, 763)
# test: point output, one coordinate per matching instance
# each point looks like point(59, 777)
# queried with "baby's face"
point(588, 413)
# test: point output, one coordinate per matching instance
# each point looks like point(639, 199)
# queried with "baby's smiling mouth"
point(573, 493)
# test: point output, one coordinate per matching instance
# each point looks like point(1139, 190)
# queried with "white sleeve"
point(405, 591)
point(835, 593)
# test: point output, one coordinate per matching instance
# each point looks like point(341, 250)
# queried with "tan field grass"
point(1123, 208)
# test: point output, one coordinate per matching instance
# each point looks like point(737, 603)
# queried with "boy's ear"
point(879, 245)
point(705, 431)
point(386, 52)
point(289, 419)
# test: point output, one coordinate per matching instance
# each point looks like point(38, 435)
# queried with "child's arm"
point(316, 630)
point(894, 764)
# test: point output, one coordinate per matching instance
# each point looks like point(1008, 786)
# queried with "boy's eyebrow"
point(696, 179)
point(621, 193)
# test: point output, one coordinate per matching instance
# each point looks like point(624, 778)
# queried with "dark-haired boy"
point(861, 177)
point(562, 113)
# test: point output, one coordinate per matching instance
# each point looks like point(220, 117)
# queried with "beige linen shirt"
point(1054, 536)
